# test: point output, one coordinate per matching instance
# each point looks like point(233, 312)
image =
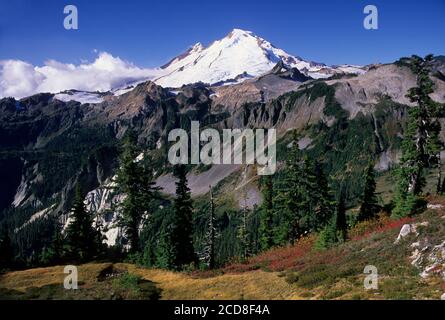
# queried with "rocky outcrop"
point(408, 229)
point(426, 256)
point(429, 258)
point(102, 203)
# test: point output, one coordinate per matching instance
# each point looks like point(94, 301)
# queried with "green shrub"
point(312, 277)
point(131, 286)
point(128, 281)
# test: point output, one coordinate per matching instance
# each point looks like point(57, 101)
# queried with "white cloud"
point(20, 79)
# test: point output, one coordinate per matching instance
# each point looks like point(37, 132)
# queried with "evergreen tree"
point(243, 234)
point(6, 251)
point(166, 250)
point(254, 230)
point(304, 198)
point(369, 205)
point(128, 181)
point(80, 234)
point(421, 145)
point(328, 237)
point(307, 196)
point(135, 181)
point(182, 232)
point(100, 238)
point(341, 223)
point(54, 254)
point(336, 229)
point(209, 250)
point(442, 186)
point(289, 199)
point(322, 196)
point(267, 215)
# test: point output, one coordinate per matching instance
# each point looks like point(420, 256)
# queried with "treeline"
point(303, 201)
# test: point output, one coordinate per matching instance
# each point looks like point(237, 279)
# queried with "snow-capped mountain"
point(241, 55)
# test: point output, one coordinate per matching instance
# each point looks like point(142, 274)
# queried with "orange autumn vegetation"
point(291, 257)
point(275, 259)
point(384, 223)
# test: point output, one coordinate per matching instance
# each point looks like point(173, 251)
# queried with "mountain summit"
point(239, 55)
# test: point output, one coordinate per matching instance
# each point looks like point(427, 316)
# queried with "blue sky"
point(148, 33)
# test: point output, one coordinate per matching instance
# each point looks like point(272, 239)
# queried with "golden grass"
point(174, 285)
point(253, 285)
point(38, 277)
point(250, 285)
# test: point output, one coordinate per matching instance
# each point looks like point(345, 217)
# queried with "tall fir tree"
point(303, 198)
point(135, 181)
point(341, 222)
point(369, 205)
point(335, 231)
point(182, 233)
point(442, 186)
point(54, 253)
point(80, 234)
point(267, 234)
point(308, 196)
point(421, 144)
point(243, 232)
point(209, 250)
point(166, 250)
point(324, 200)
point(289, 198)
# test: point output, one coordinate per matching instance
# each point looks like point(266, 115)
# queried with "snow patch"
point(80, 96)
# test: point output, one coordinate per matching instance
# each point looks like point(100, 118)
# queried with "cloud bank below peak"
point(20, 79)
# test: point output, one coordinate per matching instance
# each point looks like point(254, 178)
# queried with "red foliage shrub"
point(382, 224)
point(298, 256)
point(276, 259)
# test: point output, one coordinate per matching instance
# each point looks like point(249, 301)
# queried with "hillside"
point(412, 268)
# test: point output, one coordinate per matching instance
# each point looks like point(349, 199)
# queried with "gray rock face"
point(261, 89)
point(198, 182)
point(387, 160)
point(406, 230)
point(360, 93)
